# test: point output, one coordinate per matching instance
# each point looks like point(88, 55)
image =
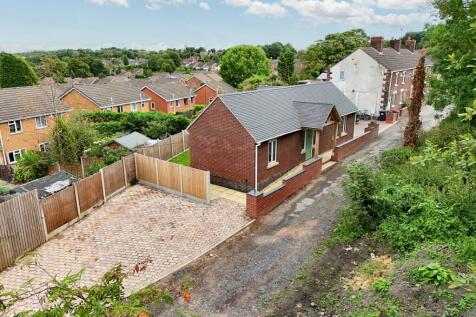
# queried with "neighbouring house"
point(130, 141)
point(377, 78)
point(249, 139)
point(27, 115)
point(209, 90)
point(170, 97)
point(118, 97)
point(47, 185)
point(200, 78)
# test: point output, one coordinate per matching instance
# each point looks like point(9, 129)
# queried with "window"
point(133, 107)
point(210, 100)
point(343, 124)
point(152, 106)
point(342, 75)
point(177, 103)
point(272, 151)
point(44, 146)
point(142, 105)
point(41, 122)
point(401, 95)
point(15, 155)
point(404, 74)
point(15, 126)
point(191, 100)
point(185, 101)
point(120, 108)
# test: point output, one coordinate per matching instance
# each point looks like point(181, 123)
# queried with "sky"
point(158, 24)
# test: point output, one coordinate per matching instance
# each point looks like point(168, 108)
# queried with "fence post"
point(209, 188)
point(76, 196)
point(125, 171)
point(156, 171)
point(171, 147)
point(158, 146)
point(103, 187)
point(58, 167)
point(181, 178)
point(135, 164)
point(42, 214)
point(82, 168)
point(183, 140)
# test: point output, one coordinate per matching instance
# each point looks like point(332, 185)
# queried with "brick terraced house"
point(208, 91)
point(200, 78)
point(249, 139)
point(118, 97)
point(27, 115)
point(378, 78)
point(169, 97)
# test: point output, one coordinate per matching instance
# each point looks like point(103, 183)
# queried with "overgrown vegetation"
point(31, 165)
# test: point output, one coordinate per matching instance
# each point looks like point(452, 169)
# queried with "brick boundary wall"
point(260, 204)
point(345, 149)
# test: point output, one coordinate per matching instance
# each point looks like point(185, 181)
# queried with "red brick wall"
point(350, 130)
point(204, 94)
point(259, 205)
point(219, 144)
point(288, 156)
point(326, 138)
point(194, 83)
point(345, 149)
point(168, 107)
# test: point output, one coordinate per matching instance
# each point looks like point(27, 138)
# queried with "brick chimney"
point(396, 44)
point(377, 43)
point(410, 44)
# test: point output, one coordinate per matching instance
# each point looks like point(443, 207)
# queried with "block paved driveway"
point(139, 223)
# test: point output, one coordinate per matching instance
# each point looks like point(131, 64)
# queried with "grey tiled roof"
point(393, 60)
point(170, 90)
point(269, 113)
point(220, 87)
point(313, 115)
point(112, 94)
point(48, 185)
point(132, 140)
point(28, 102)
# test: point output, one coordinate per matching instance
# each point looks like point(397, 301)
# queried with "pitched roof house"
point(200, 78)
point(119, 97)
point(209, 90)
point(378, 78)
point(169, 97)
point(26, 116)
point(248, 139)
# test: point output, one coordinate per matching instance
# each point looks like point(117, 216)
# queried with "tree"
point(414, 123)
point(97, 67)
point(286, 66)
point(54, 68)
point(15, 72)
point(30, 166)
point(125, 60)
point(419, 37)
point(167, 65)
point(78, 68)
point(323, 54)
point(153, 62)
point(254, 82)
point(242, 62)
point(452, 46)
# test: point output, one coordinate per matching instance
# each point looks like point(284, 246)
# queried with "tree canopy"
point(54, 68)
point(333, 48)
point(242, 62)
point(78, 68)
point(286, 66)
point(275, 49)
point(15, 72)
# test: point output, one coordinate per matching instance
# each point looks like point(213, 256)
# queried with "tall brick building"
point(247, 140)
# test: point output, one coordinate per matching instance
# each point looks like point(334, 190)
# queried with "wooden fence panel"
point(89, 191)
point(169, 175)
point(88, 161)
point(21, 227)
point(185, 140)
point(130, 164)
point(177, 141)
point(195, 182)
point(165, 149)
point(114, 177)
point(59, 208)
point(74, 169)
point(146, 168)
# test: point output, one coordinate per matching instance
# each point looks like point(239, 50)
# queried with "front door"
point(309, 141)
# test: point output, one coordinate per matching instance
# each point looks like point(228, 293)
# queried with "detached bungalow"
point(169, 97)
point(118, 97)
point(249, 139)
point(27, 115)
point(208, 91)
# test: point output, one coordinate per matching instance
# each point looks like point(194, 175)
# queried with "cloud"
point(259, 8)
point(157, 4)
point(356, 12)
point(204, 6)
point(121, 3)
point(399, 4)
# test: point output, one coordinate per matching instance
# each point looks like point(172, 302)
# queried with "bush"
point(113, 155)
point(389, 159)
point(109, 127)
point(30, 166)
point(381, 285)
point(95, 167)
point(435, 274)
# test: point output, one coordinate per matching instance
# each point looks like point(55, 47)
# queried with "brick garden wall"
point(262, 203)
point(345, 149)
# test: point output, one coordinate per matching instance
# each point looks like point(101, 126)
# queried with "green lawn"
point(183, 158)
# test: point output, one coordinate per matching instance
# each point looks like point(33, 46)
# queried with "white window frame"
point(15, 124)
point(177, 103)
point(40, 120)
point(403, 76)
point(342, 75)
point(133, 107)
point(343, 124)
point(16, 154)
point(45, 146)
point(152, 105)
point(272, 152)
point(120, 108)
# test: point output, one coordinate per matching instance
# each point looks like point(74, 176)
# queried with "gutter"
point(256, 167)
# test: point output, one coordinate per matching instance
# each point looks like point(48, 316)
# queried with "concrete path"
point(140, 225)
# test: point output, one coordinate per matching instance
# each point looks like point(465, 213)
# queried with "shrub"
point(156, 130)
point(30, 166)
point(435, 274)
point(465, 250)
point(389, 159)
point(381, 285)
point(113, 155)
point(109, 127)
point(95, 167)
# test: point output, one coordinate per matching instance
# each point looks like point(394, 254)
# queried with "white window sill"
point(303, 151)
point(38, 128)
point(272, 164)
point(13, 133)
point(343, 134)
